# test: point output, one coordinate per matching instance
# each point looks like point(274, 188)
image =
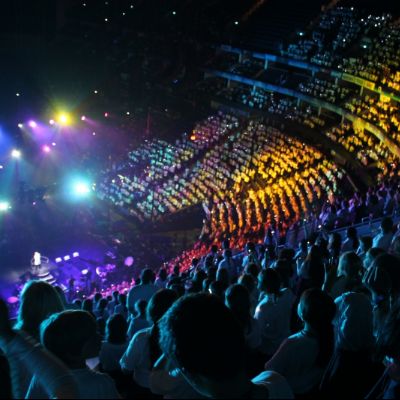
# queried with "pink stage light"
point(52, 122)
point(83, 118)
point(106, 114)
point(46, 149)
point(32, 124)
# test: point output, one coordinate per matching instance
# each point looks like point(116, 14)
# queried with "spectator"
point(144, 291)
point(71, 336)
point(365, 245)
point(352, 242)
point(39, 300)
point(228, 263)
point(121, 307)
point(139, 320)
point(162, 279)
point(303, 357)
point(102, 309)
point(115, 343)
point(273, 312)
point(113, 302)
point(383, 239)
point(207, 344)
point(143, 350)
point(237, 299)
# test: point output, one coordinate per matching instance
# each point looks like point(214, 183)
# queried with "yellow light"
point(64, 119)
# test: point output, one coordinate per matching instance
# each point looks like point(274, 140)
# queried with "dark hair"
point(318, 309)
point(87, 305)
point(252, 269)
point(248, 282)
point(66, 333)
point(96, 298)
point(162, 274)
point(352, 234)
point(284, 268)
point(237, 299)
point(269, 282)
point(336, 244)
point(141, 305)
point(217, 288)
point(147, 276)
point(102, 304)
point(157, 307)
point(202, 335)
point(116, 329)
point(366, 241)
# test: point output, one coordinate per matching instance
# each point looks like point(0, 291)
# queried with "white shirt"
point(296, 361)
point(274, 320)
point(137, 357)
point(140, 292)
point(229, 265)
point(91, 385)
point(110, 354)
point(137, 324)
point(383, 241)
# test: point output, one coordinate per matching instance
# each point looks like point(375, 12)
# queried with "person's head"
point(39, 300)
point(217, 288)
point(122, 299)
point(116, 328)
point(269, 282)
point(350, 265)
point(250, 247)
point(147, 276)
point(335, 243)
point(77, 304)
point(248, 282)
point(159, 303)
point(202, 336)
point(214, 249)
point(284, 270)
point(365, 243)
point(115, 295)
point(371, 255)
point(317, 310)
point(140, 308)
point(226, 244)
point(71, 336)
point(162, 274)
point(286, 254)
point(96, 298)
point(87, 305)
point(252, 269)
point(228, 253)
point(237, 299)
point(176, 270)
point(387, 225)
point(102, 304)
point(209, 261)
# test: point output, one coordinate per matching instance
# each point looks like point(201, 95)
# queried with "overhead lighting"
point(15, 153)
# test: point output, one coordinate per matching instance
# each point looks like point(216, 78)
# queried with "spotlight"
point(32, 124)
point(17, 94)
point(58, 260)
point(46, 148)
point(83, 118)
point(4, 206)
point(20, 126)
point(52, 122)
point(54, 144)
point(64, 119)
point(75, 254)
point(67, 258)
point(106, 114)
point(95, 92)
point(16, 153)
point(81, 189)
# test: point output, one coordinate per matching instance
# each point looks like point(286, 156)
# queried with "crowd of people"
point(320, 320)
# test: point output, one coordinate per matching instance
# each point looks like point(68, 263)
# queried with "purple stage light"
point(83, 118)
point(85, 271)
point(54, 144)
point(46, 148)
point(52, 122)
point(32, 124)
point(58, 259)
point(75, 254)
point(67, 258)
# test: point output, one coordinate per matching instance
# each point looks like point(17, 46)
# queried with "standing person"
point(39, 300)
point(201, 336)
point(303, 357)
point(384, 238)
point(229, 264)
point(143, 350)
point(162, 279)
point(144, 291)
point(352, 242)
point(139, 320)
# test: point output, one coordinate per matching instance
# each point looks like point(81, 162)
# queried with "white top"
point(296, 361)
point(137, 357)
point(274, 320)
point(383, 241)
point(137, 324)
point(91, 385)
point(140, 292)
point(230, 266)
point(110, 354)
